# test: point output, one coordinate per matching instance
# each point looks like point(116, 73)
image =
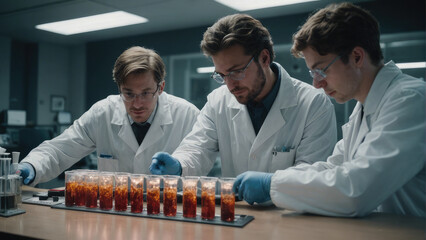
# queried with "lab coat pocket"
point(108, 164)
point(282, 160)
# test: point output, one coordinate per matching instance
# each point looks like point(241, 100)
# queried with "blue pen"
point(104, 155)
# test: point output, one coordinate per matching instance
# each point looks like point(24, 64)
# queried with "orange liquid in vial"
point(91, 195)
point(80, 194)
point(121, 198)
point(227, 207)
point(207, 206)
point(189, 204)
point(105, 197)
point(136, 199)
point(170, 202)
point(153, 201)
point(70, 189)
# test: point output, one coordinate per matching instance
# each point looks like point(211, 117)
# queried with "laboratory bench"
point(43, 222)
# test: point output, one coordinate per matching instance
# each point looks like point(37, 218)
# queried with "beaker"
point(153, 194)
point(70, 188)
point(208, 197)
point(106, 190)
point(170, 195)
point(189, 200)
point(227, 199)
point(121, 193)
point(92, 188)
point(136, 192)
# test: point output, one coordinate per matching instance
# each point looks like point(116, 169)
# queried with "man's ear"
point(162, 84)
point(359, 55)
point(264, 58)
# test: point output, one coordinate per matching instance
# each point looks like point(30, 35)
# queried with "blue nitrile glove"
point(164, 164)
point(27, 172)
point(253, 186)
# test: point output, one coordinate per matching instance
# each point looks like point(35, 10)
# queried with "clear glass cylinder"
point(106, 190)
point(208, 197)
point(170, 195)
point(136, 193)
point(80, 190)
point(121, 192)
point(189, 200)
point(91, 181)
point(227, 199)
point(153, 194)
point(70, 188)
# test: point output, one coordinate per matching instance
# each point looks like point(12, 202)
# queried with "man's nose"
point(319, 84)
point(231, 83)
point(138, 101)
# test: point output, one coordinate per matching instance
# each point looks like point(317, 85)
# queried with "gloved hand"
point(253, 186)
point(27, 172)
point(164, 164)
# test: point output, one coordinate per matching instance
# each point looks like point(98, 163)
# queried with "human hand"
point(253, 186)
point(27, 172)
point(163, 163)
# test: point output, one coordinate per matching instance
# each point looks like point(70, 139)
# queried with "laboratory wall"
point(61, 73)
point(33, 73)
point(5, 45)
point(53, 79)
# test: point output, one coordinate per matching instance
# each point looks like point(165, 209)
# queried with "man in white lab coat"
point(379, 165)
point(125, 130)
point(261, 119)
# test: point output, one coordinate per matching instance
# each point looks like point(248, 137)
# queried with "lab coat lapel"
point(156, 131)
point(372, 101)
point(359, 135)
point(275, 120)
point(125, 132)
point(241, 120)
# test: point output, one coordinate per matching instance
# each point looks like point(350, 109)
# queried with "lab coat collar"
point(378, 89)
point(162, 117)
point(382, 81)
point(286, 94)
point(119, 117)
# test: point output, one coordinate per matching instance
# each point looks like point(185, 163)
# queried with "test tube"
point(70, 188)
point(190, 196)
point(92, 188)
point(80, 190)
point(153, 194)
point(121, 194)
point(106, 190)
point(208, 197)
point(227, 199)
point(170, 195)
point(136, 192)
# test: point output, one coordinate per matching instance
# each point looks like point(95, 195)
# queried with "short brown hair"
point(237, 29)
point(338, 29)
point(138, 60)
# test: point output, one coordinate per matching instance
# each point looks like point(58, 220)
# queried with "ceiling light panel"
point(93, 23)
point(411, 65)
point(247, 5)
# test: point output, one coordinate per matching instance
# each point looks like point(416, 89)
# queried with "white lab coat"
point(302, 119)
point(378, 164)
point(105, 127)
